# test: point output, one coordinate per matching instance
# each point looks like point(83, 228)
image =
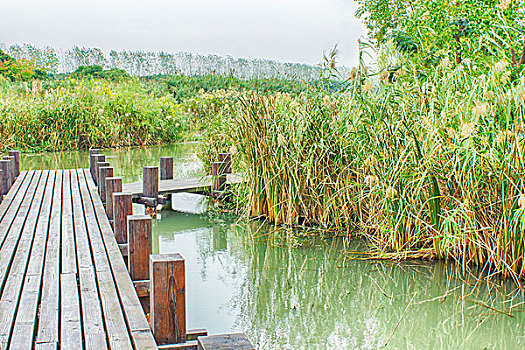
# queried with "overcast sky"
point(285, 30)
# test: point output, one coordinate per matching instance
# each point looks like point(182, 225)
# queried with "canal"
point(288, 293)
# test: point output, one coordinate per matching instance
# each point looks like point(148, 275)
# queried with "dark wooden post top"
point(122, 207)
point(168, 298)
point(150, 181)
point(139, 246)
point(166, 168)
point(113, 184)
point(16, 154)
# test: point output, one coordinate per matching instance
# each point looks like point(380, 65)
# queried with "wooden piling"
point(103, 173)
point(150, 181)
point(122, 207)
point(1, 190)
point(139, 246)
point(92, 161)
point(5, 166)
point(168, 298)
point(16, 154)
point(219, 177)
point(113, 184)
point(166, 168)
point(96, 159)
point(12, 176)
point(226, 158)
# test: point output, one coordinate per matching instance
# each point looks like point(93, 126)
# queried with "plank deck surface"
point(63, 281)
point(180, 185)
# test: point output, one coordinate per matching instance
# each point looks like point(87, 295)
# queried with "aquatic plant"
point(78, 114)
point(420, 167)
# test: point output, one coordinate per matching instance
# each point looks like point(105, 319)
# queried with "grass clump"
point(79, 114)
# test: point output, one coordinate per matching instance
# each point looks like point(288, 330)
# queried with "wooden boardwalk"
point(197, 184)
point(63, 281)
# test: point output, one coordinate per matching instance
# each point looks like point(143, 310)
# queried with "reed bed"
point(421, 169)
point(78, 114)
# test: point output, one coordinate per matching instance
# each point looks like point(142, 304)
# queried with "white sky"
point(285, 30)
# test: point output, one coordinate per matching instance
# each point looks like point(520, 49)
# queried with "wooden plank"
point(115, 324)
point(11, 204)
point(70, 327)
point(47, 226)
point(135, 318)
point(92, 318)
point(189, 345)
point(17, 191)
point(68, 254)
point(197, 184)
point(48, 324)
point(20, 246)
point(235, 341)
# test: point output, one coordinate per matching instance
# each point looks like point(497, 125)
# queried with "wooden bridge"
point(64, 282)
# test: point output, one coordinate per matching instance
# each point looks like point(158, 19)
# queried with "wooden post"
point(5, 166)
point(226, 158)
point(219, 177)
point(92, 160)
point(168, 298)
point(166, 168)
point(122, 207)
point(103, 173)
point(16, 154)
point(113, 184)
point(96, 159)
point(12, 176)
point(139, 246)
point(150, 181)
point(1, 181)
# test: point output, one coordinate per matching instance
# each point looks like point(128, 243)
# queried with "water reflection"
point(314, 298)
point(127, 162)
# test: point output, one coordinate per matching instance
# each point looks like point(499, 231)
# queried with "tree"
point(429, 30)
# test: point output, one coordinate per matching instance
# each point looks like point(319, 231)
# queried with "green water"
point(311, 297)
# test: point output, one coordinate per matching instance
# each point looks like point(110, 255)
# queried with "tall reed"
point(420, 169)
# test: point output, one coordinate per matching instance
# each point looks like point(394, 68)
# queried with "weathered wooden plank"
point(70, 327)
point(11, 203)
point(116, 330)
point(135, 318)
point(17, 191)
point(181, 185)
point(15, 273)
point(68, 254)
point(92, 319)
point(234, 341)
point(48, 325)
point(48, 225)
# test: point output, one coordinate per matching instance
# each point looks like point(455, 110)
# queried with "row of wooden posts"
point(9, 171)
point(161, 278)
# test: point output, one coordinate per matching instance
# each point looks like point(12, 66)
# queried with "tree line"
point(148, 63)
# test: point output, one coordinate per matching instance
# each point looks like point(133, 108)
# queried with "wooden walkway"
point(197, 184)
point(63, 281)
